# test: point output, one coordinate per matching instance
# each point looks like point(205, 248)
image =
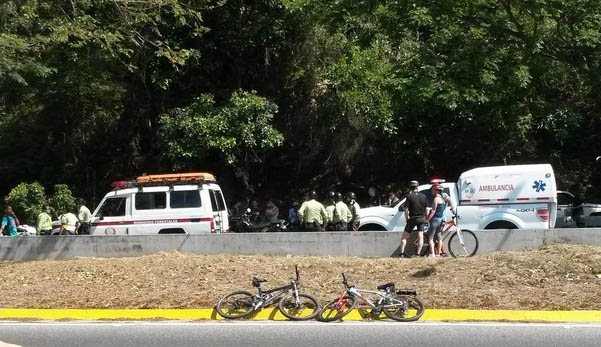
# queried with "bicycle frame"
point(357, 293)
point(267, 297)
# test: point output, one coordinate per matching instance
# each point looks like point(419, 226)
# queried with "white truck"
point(184, 203)
point(568, 216)
point(499, 197)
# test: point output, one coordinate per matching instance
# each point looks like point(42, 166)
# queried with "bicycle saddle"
point(386, 286)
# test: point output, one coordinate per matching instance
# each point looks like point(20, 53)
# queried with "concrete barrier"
point(360, 244)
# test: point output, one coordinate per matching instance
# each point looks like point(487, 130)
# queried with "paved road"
point(249, 334)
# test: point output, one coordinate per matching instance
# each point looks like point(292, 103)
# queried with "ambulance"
point(498, 197)
point(183, 203)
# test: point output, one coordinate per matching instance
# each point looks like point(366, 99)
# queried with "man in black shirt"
point(415, 215)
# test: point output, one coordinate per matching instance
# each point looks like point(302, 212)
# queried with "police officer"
point(68, 224)
point(44, 222)
point(85, 218)
point(312, 214)
point(355, 208)
point(342, 215)
point(330, 210)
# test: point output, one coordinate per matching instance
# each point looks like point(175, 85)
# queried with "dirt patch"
point(557, 277)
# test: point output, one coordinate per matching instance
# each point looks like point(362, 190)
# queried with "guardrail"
point(360, 244)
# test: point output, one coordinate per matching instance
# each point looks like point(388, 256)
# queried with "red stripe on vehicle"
point(483, 200)
point(502, 199)
point(155, 221)
point(547, 198)
point(522, 199)
point(465, 200)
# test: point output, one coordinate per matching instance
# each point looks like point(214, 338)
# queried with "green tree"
point(27, 200)
point(241, 130)
point(62, 199)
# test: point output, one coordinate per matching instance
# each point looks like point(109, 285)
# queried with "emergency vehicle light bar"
point(165, 179)
point(179, 177)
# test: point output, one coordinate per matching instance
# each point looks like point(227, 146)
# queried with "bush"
point(62, 200)
point(27, 200)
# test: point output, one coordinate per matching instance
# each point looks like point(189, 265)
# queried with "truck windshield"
point(113, 207)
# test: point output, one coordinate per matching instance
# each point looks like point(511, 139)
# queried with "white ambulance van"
point(186, 203)
point(499, 197)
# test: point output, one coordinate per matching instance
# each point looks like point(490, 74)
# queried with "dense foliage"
point(27, 200)
point(277, 95)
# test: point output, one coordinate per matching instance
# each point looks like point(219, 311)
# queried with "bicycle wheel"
point(336, 310)
point(236, 305)
point(305, 308)
point(467, 248)
point(404, 308)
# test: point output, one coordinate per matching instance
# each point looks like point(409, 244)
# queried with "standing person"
point(312, 214)
point(437, 237)
point(44, 224)
point(355, 208)
point(415, 215)
point(330, 211)
point(272, 212)
point(68, 224)
point(293, 216)
point(85, 218)
point(435, 217)
point(342, 214)
point(374, 200)
point(9, 222)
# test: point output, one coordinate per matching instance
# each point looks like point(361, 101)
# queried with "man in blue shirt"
point(9, 222)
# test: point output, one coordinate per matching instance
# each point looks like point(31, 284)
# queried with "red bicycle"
point(402, 305)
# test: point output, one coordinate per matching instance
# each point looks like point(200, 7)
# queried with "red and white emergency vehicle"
point(185, 203)
point(499, 197)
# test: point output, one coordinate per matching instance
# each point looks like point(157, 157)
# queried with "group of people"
point(339, 214)
point(70, 224)
point(419, 216)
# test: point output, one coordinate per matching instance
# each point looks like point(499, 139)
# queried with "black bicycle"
point(293, 304)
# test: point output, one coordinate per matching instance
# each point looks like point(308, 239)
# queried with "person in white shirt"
point(85, 218)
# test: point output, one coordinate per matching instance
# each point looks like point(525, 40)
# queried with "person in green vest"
point(355, 208)
point(312, 214)
point(44, 224)
point(342, 214)
point(9, 222)
point(68, 224)
point(330, 208)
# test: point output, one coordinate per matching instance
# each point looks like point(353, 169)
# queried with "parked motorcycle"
point(247, 223)
point(26, 230)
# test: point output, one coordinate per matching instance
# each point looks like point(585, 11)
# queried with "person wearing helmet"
point(435, 217)
point(342, 214)
point(330, 210)
point(355, 208)
point(415, 215)
point(312, 214)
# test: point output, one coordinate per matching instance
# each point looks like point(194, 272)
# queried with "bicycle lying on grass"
point(292, 304)
point(462, 243)
point(402, 305)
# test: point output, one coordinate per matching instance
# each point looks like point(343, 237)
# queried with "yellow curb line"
point(274, 314)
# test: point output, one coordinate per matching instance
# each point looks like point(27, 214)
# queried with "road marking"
point(302, 324)
point(274, 314)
